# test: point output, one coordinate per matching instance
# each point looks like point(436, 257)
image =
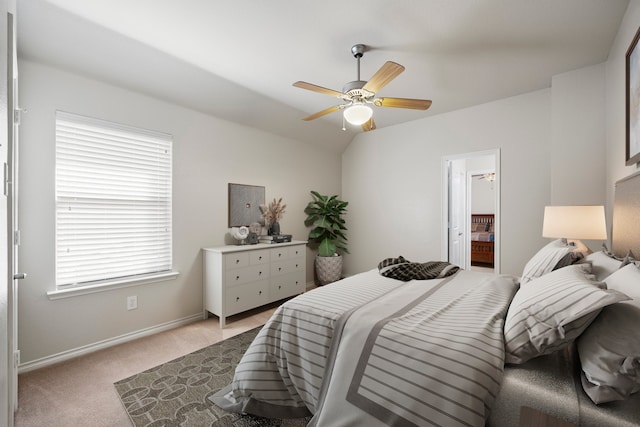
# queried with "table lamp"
point(573, 223)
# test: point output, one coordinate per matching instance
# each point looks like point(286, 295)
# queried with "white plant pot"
point(328, 269)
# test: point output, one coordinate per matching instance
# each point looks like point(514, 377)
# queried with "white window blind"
point(113, 201)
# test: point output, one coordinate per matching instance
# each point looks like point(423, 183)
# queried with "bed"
point(482, 238)
point(468, 348)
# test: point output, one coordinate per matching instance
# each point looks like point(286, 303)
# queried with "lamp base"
point(579, 246)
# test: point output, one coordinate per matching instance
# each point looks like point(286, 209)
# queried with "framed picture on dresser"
point(633, 102)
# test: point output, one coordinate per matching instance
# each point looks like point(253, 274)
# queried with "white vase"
point(328, 269)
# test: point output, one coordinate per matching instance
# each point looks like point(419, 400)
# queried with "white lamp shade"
point(358, 114)
point(574, 222)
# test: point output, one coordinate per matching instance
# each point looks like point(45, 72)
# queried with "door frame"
point(12, 211)
point(446, 183)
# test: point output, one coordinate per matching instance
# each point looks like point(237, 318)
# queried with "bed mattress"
point(414, 353)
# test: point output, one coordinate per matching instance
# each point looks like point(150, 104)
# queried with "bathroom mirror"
point(244, 204)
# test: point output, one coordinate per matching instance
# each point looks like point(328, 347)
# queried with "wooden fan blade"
point(370, 125)
point(414, 104)
point(389, 71)
point(322, 113)
point(319, 89)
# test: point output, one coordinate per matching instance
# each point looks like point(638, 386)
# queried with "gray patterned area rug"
point(176, 393)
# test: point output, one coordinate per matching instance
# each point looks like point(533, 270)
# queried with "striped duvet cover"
point(370, 350)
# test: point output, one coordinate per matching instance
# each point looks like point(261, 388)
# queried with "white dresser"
point(239, 278)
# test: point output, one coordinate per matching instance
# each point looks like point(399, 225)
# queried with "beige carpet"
point(80, 392)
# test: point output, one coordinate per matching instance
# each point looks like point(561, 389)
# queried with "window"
point(113, 202)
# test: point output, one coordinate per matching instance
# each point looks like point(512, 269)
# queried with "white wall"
point(392, 180)
point(578, 131)
point(483, 192)
point(578, 139)
point(209, 153)
point(483, 195)
point(615, 104)
point(552, 151)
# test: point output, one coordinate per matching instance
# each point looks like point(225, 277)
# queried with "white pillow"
point(602, 264)
point(546, 260)
point(552, 311)
point(626, 280)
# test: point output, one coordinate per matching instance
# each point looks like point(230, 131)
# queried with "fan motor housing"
point(354, 90)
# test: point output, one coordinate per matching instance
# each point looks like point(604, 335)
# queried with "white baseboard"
point(80, 351)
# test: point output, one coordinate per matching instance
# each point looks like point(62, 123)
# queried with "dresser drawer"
point(245, 297)
point(286, 285)
point(259, 257)
point(279, 254)
point(287, 266)
point(240, 276)
point(297, 251)
point(236, 260)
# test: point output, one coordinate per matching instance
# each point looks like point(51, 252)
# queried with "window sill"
point(111, 285)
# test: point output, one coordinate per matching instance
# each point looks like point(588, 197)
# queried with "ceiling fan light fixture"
point(359, 95)
point(358, 114)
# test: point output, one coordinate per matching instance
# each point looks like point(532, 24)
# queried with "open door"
point(7, 374)
point(456, 206)
point(11, 194)
point(457, 226)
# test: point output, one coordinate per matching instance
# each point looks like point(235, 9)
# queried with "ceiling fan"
point(359, 94)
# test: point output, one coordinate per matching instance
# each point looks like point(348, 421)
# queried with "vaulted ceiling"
point(238, 59)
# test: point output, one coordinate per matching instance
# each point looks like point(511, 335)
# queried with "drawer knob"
point(260, 293)
point(296, 265)
point(297, 282)
point(260, 258)
point(279, 268)
point(279, 255)
point(237, 299)
point(279, 286)
point(237, 261)
point(259, 273)
point(237, 277)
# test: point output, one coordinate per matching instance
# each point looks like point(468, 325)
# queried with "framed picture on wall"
point(244, 204)
point(633, 102)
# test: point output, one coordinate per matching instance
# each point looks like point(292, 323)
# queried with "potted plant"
point(324, 214)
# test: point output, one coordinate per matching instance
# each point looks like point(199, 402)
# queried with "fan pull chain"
point(344, 128)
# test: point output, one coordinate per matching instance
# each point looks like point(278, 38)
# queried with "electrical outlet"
point(132, 302)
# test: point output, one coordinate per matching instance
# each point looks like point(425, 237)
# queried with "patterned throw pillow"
point(405, 270)
point(387, 262)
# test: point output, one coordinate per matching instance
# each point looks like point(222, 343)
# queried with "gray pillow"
point(552, 311)
point(609, 349)
point(609, 353)
point(546, 259)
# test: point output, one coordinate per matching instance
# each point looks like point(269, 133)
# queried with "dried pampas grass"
point(273, 212)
